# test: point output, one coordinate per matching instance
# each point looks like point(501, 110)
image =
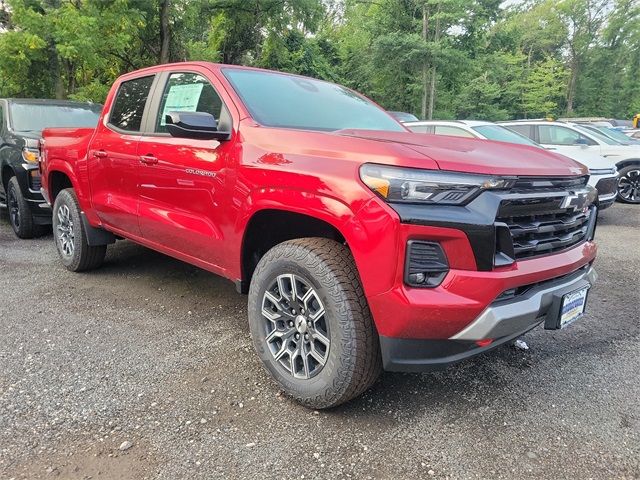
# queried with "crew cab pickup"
point(361, 245)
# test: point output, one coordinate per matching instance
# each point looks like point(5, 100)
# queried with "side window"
point(1, 117)
point(128, 107)
point(190, 92)
point(555, 135)
point(453, 131)
point(521, 129)
point(422, 128)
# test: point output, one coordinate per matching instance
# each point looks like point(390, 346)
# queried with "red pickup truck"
point(361, 245)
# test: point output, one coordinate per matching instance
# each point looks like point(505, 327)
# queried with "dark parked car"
point(21, 125)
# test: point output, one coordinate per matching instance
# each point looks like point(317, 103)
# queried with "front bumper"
point(607, 187)
point(31, 190)
point(500, 322)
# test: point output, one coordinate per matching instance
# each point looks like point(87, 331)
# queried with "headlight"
point(30, 155)
point(412, 185)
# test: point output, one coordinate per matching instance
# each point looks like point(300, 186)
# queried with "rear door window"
point(128, 107)
point(421, 128)
point(452, 131)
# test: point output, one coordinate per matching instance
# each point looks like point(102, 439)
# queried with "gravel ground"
point(145, 369)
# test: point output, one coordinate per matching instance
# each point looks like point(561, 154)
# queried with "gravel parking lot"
point(145, 369)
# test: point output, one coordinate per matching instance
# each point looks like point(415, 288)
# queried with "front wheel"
point(19, 213)
point(311, 324)
point(70, 236)
point(629, 184)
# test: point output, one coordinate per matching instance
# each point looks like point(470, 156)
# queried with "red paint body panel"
point(202, 219)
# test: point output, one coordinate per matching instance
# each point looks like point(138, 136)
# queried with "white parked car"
point(569, 139)
point(602, 172)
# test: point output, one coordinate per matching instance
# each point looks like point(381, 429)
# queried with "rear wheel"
point(311, 324)
point(70, 236)
point(629, 184)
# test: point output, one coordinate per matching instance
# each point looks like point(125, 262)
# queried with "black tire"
point(75, 253)
point(353, 361)
point(20, 216)
point(629, 184)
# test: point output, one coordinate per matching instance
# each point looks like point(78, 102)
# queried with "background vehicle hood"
point(589, 159)
point(478, 156)
point(622, 151)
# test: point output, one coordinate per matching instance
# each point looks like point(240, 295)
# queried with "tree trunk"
point(432, 87)
point(165, 33)
point(56, 72)
point(425, 65)
point(571, 90)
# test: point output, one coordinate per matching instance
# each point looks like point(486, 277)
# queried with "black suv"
point(21, 125)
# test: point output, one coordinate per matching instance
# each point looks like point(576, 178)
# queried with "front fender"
point(368, 232)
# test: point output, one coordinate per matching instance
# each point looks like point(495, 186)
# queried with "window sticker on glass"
point(181, 98)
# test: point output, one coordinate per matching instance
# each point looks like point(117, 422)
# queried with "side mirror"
point(582, 142)
point(197, 125)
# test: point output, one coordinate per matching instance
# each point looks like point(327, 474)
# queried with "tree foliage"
point(440, 58)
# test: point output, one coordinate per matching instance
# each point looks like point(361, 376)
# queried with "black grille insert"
point(543, 227)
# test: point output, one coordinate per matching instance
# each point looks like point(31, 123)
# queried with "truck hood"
point(477, 156)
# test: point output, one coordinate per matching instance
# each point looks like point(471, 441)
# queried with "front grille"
point(607, 186)
point(544, 184)
point(539, 224)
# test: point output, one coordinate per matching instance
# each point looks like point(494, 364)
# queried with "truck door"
point(183, 182)
point(113, 161)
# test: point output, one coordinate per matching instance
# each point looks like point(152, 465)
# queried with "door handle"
point(99, 154)
point(148, 159)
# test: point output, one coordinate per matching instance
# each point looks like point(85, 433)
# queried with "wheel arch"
point(57, 181)
point(7, 172)
point(268, 227)
point(628, 162)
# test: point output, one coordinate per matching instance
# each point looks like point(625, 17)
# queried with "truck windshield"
point(287, 101)
point(33, 117)
point(503, 134)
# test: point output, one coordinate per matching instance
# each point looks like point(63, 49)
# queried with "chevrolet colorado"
point(361, 245)
point(21, 123)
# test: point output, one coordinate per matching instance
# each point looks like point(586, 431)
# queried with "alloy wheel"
point(629, 186)
point(65, 232)
point(295, 327)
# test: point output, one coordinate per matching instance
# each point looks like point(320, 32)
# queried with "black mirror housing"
point(197, 125)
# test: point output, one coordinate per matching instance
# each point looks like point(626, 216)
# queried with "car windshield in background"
point(600, 136)
point(34, 117)
point(503, 134)
point(287, 101)
point(617, 135)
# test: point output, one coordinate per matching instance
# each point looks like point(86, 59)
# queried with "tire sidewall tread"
point(85, 257)
point(354, 359)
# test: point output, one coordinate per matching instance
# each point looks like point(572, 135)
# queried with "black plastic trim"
point(96, 236)
point(418, 355)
